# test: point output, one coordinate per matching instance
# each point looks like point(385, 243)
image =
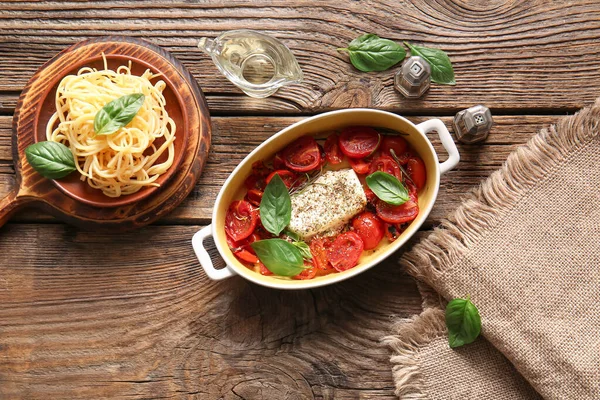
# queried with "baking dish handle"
point(453, 155)
point(204, 258)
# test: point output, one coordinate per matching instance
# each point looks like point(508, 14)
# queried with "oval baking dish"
point(415, 135)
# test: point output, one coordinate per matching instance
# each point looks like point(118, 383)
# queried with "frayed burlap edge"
point(410, 334)
point(430, 298)
point(485, 206)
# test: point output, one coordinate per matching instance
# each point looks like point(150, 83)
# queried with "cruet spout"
point(207, 45)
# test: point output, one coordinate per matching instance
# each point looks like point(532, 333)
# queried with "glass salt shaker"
point(256, 63)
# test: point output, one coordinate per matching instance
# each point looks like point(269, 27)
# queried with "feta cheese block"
point(327, 204)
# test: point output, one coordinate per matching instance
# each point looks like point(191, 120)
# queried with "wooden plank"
point(143, 320)
point(514, 56)
point(477, 161)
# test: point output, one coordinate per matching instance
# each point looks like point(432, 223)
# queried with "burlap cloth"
point(525, 245)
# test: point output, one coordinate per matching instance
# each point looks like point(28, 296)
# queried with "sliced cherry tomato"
point(369, 228)
point(302, 155)
point(396, 143)
point(288, 177)
point(333, 154)
point(371, 196)
point(242, 249)
point(386, 164)
point(263, 270)
point(392, 231)
point(415, 168)
point(345, 251)
point(260, 169)
point(307, 273)
point(360, 165)
point(397, 214)
point(240, 220)
point(278, 162)
point(404, 157)
point(318, 249)
point(359, 141)
point(254, 196)
point(246, 255)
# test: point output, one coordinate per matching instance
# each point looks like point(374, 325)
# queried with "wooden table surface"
point(94, 315)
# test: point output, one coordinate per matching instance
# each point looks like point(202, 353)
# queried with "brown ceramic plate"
point(80, 190)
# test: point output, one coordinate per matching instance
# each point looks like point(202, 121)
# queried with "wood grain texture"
point(508, 54)
point(32, 114)
point(90, 315)
point(149, 324)
point(477, 161)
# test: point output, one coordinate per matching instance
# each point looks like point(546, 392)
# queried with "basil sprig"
point(387, 188)
point(369, 52)
point(117, 113)
point(52, 160)
point(463, 322)
point(304, 250)
point(279, 256)
point(441, 67)
point(275, 206)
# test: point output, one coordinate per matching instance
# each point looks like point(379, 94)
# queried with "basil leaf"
point(387, 188)
point(463, 322)
point(279, 256)
point(441, 67)
point(275, 206)
point(292, 235)
point(117, 113)
point(304, 250)
point(52, 160)
point(371, 53)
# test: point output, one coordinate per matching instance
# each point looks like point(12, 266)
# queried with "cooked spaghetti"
point(125, 161)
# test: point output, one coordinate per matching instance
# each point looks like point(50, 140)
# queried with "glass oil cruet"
point(256, 63)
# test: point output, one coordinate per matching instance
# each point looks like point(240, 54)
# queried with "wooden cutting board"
point(36, 104)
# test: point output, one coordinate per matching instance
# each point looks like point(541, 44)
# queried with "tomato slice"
point(386, 164)
point(371, 196)
point(359, 141)
point(288, 177)
point(278, 162)
point(397, 214)
point(307, 273)
point(415, 169)
point(393, 231)
point(333, 154)
point(345, 251)
point(263, 270)
point(240, 220)
point(245, 255)
point(396, 143)
point(360, 165)
point(260, 169)
point(254, 196)
point(369, 228)
point(302, 155)
point(318, 249)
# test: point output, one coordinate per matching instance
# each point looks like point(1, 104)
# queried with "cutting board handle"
point(10, 204)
